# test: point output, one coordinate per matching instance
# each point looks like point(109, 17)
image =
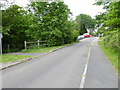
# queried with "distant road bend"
point(81, 65)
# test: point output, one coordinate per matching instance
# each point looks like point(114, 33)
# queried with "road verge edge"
point(13, 63)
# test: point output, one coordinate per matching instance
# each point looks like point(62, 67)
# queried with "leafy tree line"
point(39, 21)
point(51, 23)
point(45, 21)
point(109, 24)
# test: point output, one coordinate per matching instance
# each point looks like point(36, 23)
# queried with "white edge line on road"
point(82, 82)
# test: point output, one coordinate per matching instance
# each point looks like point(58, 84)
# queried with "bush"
point(55, 38)
point(111, 40)
point(74, 35)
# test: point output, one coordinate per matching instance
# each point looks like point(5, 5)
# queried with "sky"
point(76, 7)
point(83, 7)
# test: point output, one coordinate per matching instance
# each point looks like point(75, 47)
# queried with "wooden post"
point(25, 45)
point(38, 44)
point(8, 48)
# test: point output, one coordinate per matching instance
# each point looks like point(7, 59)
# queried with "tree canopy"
point(109, 24)
point(84, 22)
point(50, 22)
point(14, 24)
point(47, 21)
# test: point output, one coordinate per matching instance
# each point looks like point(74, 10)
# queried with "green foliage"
point(46, 21)
point(50, 22)
point(111, 40)
point(99, 19)
point(14, 24)
point(55, 38)
point(113, 15)
point(109, 23)
point(84, 22)
point(41, 49)
point(0, 28)
point(9, 58)
point(74, 34)
point(111, 55)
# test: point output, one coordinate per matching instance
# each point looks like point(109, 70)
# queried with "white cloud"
point(22, 2)
point(83, 6)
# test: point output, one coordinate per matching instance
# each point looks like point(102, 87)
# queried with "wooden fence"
point(37, 43)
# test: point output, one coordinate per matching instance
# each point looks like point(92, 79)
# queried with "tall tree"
point(39, 21)
point(14, 24)
point(84, 22)
point(50, 22)
point(110, 23)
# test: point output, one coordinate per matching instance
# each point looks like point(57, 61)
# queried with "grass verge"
point(9, 58)
point(41, 49)
point(111, 54)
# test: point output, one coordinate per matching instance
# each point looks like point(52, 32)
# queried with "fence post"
point(38, 44)
point(8, 48)
point(25, 45)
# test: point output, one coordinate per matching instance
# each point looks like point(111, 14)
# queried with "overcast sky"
point(76, 6)
point(83, 6)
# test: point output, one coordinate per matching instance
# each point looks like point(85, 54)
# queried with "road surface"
point(81, 65)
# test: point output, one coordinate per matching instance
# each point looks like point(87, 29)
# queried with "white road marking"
point(82, 82)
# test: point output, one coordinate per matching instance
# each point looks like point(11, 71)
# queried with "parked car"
point(80, 37)
point(87, 35)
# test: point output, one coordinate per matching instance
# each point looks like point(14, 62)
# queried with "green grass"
point(9, 58)
point(42, 49)
point(111, 55)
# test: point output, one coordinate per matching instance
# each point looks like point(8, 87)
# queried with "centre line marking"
point(82, 82)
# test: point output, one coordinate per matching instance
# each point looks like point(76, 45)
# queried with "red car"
point(87, 36)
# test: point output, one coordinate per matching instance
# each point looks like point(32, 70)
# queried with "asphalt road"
point(64, 69)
